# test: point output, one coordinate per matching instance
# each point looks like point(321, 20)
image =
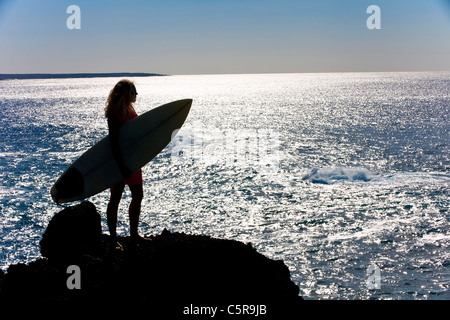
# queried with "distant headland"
point(75, 75)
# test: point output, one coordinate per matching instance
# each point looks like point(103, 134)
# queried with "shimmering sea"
point(344, 176)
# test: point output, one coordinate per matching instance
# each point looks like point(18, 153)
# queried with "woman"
point(119, 110)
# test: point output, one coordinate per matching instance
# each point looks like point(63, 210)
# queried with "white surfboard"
point(140, 140)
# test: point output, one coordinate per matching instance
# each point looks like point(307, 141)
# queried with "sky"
point(224, 36)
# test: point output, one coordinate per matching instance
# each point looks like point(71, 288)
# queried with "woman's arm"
point(114, 127)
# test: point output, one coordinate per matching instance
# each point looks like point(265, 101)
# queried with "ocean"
point(343, 176)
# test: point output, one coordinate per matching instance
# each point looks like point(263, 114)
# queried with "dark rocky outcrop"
point(73, 232)
point(165, 275)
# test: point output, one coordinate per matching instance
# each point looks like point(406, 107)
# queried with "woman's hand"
point(126, 173)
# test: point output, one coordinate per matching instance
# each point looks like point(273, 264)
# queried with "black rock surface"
point(164, 274)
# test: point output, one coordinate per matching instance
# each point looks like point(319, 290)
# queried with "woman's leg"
point(137, 194)
point(113, 207)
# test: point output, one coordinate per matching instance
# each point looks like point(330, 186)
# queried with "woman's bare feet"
point(138, 239)
point(114, 245)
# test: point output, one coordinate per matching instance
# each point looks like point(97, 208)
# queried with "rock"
point(164, 275)
point(72, 233)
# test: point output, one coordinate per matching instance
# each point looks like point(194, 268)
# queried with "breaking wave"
point(329, 175)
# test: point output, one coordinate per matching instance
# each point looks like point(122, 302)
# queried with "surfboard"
point(140, 140)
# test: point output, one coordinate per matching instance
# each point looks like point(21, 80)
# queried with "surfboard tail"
point(68, 186)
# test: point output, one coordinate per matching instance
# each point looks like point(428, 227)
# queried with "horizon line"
point(28, 76)
point(70, 75)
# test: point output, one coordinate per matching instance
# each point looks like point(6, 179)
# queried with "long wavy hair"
point(119, 99)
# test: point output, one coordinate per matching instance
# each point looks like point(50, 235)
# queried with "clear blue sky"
point(224, 36)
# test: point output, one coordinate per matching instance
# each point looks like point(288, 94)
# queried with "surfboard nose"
point(187, 102)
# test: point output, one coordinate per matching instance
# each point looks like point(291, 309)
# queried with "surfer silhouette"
point(119, 110)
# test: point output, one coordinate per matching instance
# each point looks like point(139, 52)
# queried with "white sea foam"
point(333, 174)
